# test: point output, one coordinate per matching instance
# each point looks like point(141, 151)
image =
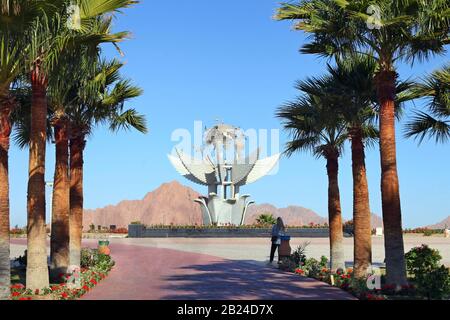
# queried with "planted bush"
point(93, 260)
point(431, 279)
point(299, 255)
point(315, 267)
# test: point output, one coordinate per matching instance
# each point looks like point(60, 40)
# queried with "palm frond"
point(423, 125)
point(127, 120)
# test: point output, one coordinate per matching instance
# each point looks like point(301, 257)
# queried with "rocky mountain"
point(377, 221)
point(173, 203)
point(292, 216)
point(441, 225)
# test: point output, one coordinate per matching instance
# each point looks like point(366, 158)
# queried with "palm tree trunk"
point(392, 216)
point(59, 245)
point(5, 132)
point(361, 207)
point(37, 266)
point(335, 217)
point(77, 145)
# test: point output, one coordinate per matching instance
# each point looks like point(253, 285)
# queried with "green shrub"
point(349, 227)
point(92, 259)
point(266, 219)
point(430, 277)
point(288, 264)
point(314, 267)
point(22, 260)
point(299, 255)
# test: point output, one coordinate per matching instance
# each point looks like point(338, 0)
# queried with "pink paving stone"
point(145, 273)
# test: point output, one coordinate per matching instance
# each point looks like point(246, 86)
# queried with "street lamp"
point(50, 185)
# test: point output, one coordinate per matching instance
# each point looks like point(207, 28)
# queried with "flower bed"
point(94, 268)
point(226, 227)
point(428, 280)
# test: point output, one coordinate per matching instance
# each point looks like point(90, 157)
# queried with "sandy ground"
point(257, 250)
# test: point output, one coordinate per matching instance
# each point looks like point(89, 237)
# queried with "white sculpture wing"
point(242, 170)
point(197, 171)
point(179, 166)
point(261, 168)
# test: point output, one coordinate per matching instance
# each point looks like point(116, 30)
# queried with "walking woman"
point(278, 230)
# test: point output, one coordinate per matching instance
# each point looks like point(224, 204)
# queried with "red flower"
point(86, 288)
point(36, 292)
point(24, 299)
point(18, 286)
point(94, 282)
point(299, 271)
point(64, 295)
point(16, 294)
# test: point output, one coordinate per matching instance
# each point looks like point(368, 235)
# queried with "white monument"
point(224, 171)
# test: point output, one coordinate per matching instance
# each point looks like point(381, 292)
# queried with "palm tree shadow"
point(234, 280)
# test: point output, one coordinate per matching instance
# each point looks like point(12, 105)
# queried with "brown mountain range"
point(441, 225)
point(292, 216)
point(172, 203)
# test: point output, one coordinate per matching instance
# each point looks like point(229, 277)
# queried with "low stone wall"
point(140, 231)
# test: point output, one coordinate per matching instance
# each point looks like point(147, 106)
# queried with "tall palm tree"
point(101, 100)
point(316, 128)
point(405, 30)
point(61, 93)
point(50, 38)
point(16, 19)
point(63, 86)
point(436, 123)
point(355, 97)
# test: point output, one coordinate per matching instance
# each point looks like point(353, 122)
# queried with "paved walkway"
point(144, 273)
point(258, 249)
point(149, 273)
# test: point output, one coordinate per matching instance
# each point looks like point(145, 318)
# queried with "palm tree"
point(101, 100)
point(50, 38)
point(316, 128)
point(266, 219)
point(16, 17)
point(62, 91)
point(356, 94)
point(436, 124)
point(405, 30)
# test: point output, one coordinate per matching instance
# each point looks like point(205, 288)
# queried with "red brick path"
point(144, 273)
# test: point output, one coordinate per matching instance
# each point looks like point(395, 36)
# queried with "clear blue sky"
point(209, 59)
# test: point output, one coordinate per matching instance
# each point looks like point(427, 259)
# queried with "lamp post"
point(50, 185)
